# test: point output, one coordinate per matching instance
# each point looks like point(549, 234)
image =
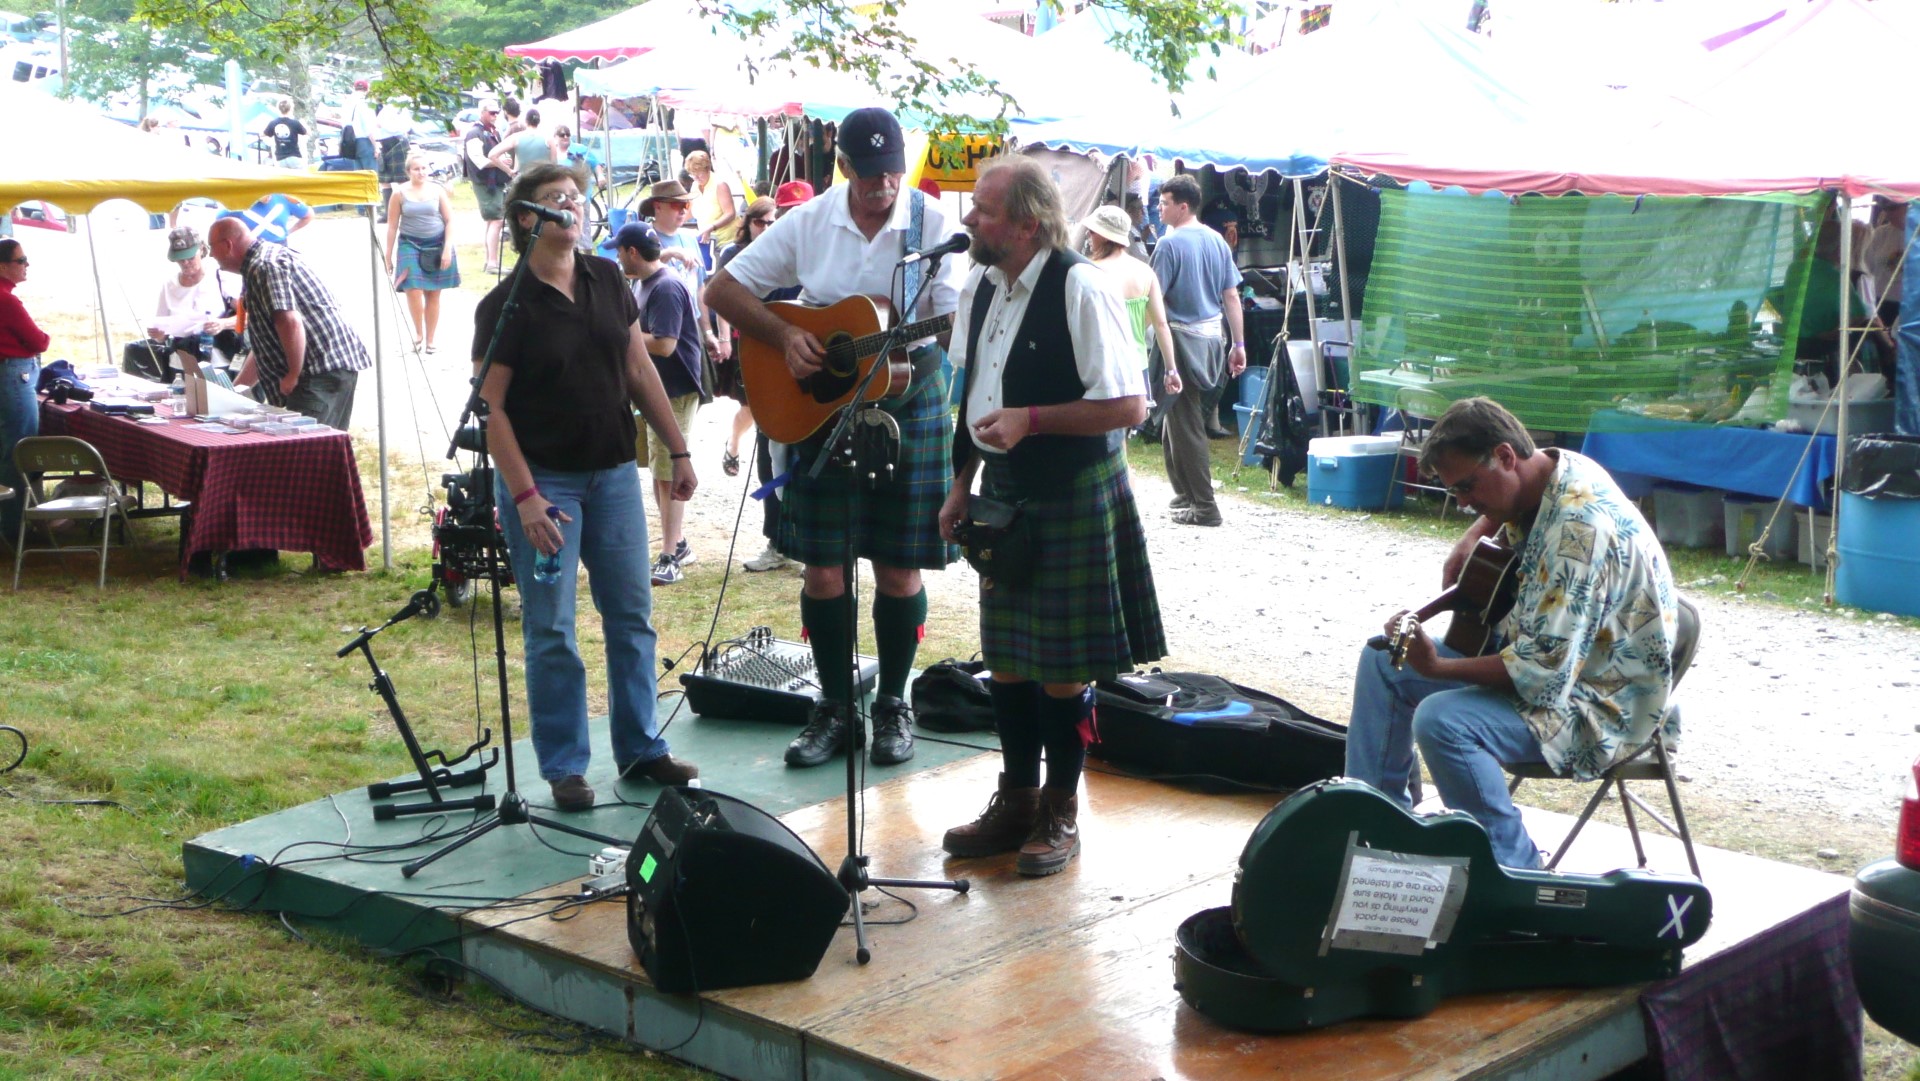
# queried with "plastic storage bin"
point(1353, 471)
point(1746, 516)
point(1688, 517)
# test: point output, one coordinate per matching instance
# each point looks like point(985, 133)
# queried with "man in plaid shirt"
point(302, 354)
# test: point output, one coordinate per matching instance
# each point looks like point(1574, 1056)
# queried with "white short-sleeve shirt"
point(818, 247)
point(1097, 322)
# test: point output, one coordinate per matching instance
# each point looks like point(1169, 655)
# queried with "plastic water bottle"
point(546, 568)
point(206, 346)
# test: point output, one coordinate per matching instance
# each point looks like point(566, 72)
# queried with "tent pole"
point(1340, 252)
point(380, 390)
point(104, 353)
point(1306, 274)
point(1843, 211)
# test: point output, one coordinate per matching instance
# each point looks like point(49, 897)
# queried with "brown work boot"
point(1002, 827)
point(1056, 835)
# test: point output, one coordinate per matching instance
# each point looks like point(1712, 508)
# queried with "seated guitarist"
point(847, 243)
point(1586, 664)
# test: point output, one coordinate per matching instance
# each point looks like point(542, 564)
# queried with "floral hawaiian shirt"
point(1590, 637)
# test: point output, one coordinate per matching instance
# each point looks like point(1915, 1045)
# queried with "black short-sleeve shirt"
point(568, 399)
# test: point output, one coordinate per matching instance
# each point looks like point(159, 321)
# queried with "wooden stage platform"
point(1061, 978)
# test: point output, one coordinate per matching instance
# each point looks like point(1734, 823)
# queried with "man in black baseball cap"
point(846, 243)
point(872, 142)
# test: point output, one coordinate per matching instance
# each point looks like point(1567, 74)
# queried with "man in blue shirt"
point(671, 327)
point(1202, 288)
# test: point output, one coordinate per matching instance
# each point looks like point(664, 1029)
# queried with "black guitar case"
point(1194, 725)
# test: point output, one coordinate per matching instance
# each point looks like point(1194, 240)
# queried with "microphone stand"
point(513, 806)
point(853, 873)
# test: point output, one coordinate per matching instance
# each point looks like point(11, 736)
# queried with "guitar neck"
point(870, 344)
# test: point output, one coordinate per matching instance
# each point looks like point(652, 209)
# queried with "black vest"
point(1040, 370)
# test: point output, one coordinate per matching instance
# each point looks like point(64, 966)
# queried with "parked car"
point(1885, 915)
point(38, 215)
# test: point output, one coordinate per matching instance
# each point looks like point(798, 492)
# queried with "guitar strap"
point(916, 229)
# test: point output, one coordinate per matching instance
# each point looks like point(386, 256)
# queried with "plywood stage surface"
point(1072, 976)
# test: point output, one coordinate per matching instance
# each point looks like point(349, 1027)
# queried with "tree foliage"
point(869, 41)
point(110, 52)
point(427, 50)
point(404, 38)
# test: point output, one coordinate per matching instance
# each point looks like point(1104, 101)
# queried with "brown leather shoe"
point(1006, 822)
point(1055, 839)
point(572, 793)
point(665, 771)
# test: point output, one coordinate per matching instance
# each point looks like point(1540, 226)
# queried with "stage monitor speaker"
point(723, 895)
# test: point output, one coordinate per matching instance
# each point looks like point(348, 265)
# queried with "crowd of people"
point(1062, 349)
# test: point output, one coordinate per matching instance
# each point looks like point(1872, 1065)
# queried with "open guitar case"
point(1195, 726)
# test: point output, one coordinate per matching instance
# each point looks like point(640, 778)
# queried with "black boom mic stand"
point(845, 448)
point(513, 806)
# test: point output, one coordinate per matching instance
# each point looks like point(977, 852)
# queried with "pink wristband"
point(1033, 420)
point(531, 491)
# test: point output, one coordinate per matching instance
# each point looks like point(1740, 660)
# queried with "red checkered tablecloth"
point(297, 493)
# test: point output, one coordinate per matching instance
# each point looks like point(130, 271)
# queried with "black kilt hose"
point(1090, 611)
point(898, 526)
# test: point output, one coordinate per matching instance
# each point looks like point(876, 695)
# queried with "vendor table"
point(1751, 461)
point(296, 492)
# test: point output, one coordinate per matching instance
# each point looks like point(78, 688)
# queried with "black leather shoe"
point(822, 738)
point(892, 731)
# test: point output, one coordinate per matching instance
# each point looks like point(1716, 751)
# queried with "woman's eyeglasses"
point(562, 199)
point(21, 261)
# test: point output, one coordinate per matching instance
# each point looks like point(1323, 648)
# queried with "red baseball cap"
point(792, 193)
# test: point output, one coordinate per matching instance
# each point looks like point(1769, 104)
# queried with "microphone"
point(562, 218)
point(954, 243)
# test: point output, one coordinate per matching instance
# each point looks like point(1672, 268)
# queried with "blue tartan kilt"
point(1090, 611)
point(412, 275)
point(897, 526)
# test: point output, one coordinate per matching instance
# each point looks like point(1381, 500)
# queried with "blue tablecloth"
point(1746, 460)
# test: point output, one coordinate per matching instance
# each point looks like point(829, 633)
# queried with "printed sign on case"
point(1395, 902)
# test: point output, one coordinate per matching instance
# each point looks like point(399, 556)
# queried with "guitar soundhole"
point(840, 358)
point(839, 370)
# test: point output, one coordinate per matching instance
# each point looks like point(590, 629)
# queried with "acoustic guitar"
point(1479, 600)
point(1346, 905)
point(853, 330)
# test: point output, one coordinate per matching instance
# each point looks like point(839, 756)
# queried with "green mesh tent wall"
point(1578, 312)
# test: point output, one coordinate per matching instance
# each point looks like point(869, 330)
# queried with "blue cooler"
point(1353, 471)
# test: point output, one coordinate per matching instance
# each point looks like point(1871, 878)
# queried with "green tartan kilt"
point(1090, 612)
point(898, 526)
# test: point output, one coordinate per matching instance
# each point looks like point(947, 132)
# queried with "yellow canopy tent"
point(77, 159)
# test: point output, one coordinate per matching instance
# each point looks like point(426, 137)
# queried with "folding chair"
point(60, 456)
point(1418, 409)
point(1651, 761)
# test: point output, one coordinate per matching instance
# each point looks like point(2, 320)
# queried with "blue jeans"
point(1465, 733)
point(19, 418)
point(609, 535)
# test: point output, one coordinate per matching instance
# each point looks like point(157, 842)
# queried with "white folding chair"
point(43, 457)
